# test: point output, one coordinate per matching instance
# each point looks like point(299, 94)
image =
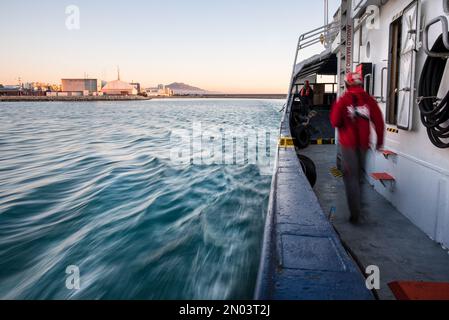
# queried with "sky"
point(229, 46)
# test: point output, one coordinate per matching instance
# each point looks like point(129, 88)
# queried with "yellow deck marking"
point(336, 173)
point(322, 141)
point(392, 130)
point(286, 142)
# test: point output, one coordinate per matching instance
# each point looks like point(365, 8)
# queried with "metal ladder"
point(345, 61)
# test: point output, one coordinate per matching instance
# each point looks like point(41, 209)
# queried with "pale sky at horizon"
point(231, 46)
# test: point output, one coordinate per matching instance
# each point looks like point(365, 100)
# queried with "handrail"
point(314, 41)
point(382, 82)
point(358, 5)
point(369, 90)
point(292, 77)
point(362, 19)
point(445, 27)
point(317, 33)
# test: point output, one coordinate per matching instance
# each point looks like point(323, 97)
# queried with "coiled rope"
point(434, 112)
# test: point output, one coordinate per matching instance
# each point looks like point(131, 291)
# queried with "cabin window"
point(402, 60)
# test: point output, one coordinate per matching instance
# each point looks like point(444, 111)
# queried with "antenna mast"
point(326, 12)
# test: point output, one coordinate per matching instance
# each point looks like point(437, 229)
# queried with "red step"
point(388, 153)
point(409, 290)
point(382, 176)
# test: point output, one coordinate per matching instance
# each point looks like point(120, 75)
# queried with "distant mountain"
point(182, 88)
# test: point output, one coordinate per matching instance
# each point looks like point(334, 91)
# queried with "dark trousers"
point(353, 164)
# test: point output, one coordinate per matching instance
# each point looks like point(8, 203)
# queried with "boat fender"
point(303, 137)
point(309, 169)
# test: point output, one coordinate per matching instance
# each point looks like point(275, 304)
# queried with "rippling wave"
point(92, 185)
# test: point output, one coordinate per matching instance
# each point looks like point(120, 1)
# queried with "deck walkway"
point(385, 237)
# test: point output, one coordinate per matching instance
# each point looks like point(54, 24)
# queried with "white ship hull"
point(421, 170)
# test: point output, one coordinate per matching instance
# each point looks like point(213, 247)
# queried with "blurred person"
point(353, 115)
point(307, 94)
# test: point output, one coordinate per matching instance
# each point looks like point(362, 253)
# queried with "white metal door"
point(409, 43)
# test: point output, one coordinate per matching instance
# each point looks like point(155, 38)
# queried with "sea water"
point(103, 200)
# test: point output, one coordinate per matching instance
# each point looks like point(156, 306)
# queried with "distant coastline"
point(136, 98)
point(226, 96)
point(73, 98)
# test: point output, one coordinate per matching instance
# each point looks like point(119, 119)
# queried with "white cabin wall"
point(421, 170)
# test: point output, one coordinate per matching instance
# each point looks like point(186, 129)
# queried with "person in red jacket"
point(307, 94)
point(353, 115)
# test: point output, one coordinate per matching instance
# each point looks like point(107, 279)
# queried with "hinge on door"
point(402, 90)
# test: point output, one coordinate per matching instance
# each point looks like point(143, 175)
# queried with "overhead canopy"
point(324, 63)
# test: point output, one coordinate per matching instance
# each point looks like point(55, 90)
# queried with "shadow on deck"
point(385, 237)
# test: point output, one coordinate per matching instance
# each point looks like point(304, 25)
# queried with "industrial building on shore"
point(159, 91)
point(119, 88)
point(83, 87)
point(95, 87)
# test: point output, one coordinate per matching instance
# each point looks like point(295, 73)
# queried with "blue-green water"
point(93, 185)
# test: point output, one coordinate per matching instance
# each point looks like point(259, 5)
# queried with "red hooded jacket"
point(353, 129)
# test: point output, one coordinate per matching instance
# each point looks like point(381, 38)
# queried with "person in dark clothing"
point(353, 115)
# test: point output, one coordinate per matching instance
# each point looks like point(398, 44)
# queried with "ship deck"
point(385, 237)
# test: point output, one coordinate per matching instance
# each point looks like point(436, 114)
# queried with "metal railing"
point(325, 35)
point(357, 6)
point(382, 83)
point(362, 20)
point(369, 88)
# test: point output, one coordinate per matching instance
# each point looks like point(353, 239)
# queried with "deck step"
point(409, 290)
point(382, 176)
